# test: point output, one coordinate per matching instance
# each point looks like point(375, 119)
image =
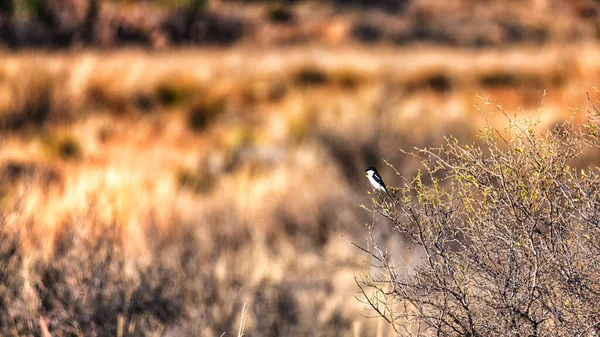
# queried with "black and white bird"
point(377, 181)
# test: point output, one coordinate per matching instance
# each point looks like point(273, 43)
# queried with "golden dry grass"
point(245, 164)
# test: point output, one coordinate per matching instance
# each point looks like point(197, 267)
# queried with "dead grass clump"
point(14, 171)
point(69, 148)
point(203, 112)
point(305, 216)
point(347, 78)
point(437, 81)
point(174, 92)
point(197, 182)
point(33, 97)
point(353, 150)
point(63, 147)
point(105, 97)
point(11, 282)
point(522, 79)
point(89, 293)
point(263, 91)
point(310, 77)
point(367, 32)
point(503, 79)
point(87, 286)
point(15, 174)
point(280, 15)
point(277, 311)
point(144, 102)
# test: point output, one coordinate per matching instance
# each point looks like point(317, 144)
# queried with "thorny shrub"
point(509, 234)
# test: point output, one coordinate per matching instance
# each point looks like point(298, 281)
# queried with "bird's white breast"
point(375, 184)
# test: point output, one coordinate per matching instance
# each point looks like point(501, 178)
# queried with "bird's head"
point(370, 170)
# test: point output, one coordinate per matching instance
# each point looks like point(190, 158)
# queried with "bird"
point(377, 181)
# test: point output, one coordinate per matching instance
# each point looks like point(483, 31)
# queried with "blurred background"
point(162, 162)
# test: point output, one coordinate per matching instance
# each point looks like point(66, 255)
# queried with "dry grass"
point(160, 24)
point(152, 193)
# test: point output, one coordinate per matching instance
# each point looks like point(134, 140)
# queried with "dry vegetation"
point(153, 193)
point(163, 23)
point(507, 232)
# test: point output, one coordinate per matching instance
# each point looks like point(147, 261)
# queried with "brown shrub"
point(509, 233)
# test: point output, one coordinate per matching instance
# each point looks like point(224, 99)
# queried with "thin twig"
point(242, 320)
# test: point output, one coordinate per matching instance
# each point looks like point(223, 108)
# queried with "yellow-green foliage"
point(510, 217)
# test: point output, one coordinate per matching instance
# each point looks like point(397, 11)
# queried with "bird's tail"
point(389, 195)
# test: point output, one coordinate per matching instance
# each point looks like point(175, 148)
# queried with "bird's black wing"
point(379, 180)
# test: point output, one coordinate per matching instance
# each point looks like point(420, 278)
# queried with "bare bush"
point(509, 230)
